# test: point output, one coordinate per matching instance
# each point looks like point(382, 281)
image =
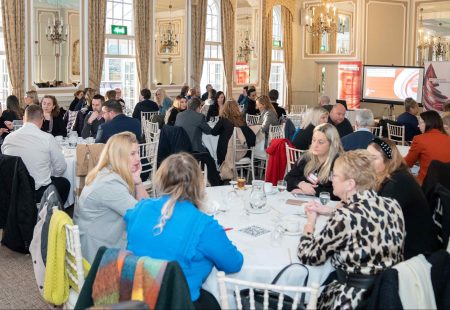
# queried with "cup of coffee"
point(292, 225)
point(241, 183)
point(268, 187)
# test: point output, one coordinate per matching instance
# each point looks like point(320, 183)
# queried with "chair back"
point(73, 257)
point(148, 153)
point(298, 109)
point(292, 156)
point(239, 161)
point(17, 124)
point(147, 116)
point(377, 131)
point(151, 131)
point(252, 119)
point(296, 119)
point(396, 134)
point(275, 132)
point(228, 285)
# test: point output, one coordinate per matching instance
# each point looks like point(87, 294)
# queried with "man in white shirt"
point(40, 152)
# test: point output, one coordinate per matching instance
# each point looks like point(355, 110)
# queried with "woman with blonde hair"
point(163, 101)
point(363, 236)
point(53, 117)
point(178, 105)
point(314, 116)
point(268, 114)
point(173, 227)
point(311, 174)
point(112, 187)
point(229, 117)
point(393, 177)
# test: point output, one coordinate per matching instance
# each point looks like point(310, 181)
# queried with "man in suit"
point(194, 123)
point(145, 105)
point(94, 118)
point(115, 122)
point(361, 138)
point(337, 118)
point(409, 119)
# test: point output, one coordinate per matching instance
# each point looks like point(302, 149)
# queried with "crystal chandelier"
point(430, 46)
point(56, 32)
point(325, 20)
point(246, 48)
point(168, 37)
point(440, 48)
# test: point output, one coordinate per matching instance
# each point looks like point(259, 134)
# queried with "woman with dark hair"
point(393, 176)
point(218, 102)
point(184, 91)
point(53, 119)
point(76, 98)
point(178, 105)
point(432, 144)
point(13, 112)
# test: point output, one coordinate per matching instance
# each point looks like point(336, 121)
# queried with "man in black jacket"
point(145, 105)
point(337, 118)
point(273, 95)
point(94, 118)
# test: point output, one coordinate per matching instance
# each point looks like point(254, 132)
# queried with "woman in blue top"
point(173, 227)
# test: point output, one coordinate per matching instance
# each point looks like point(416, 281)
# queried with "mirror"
point(56, 31)
point(433, 32)
point(248, 25)
point(169, 67)
point(340, 18)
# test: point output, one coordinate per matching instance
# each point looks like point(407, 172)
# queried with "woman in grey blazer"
point(268, 115)
point(112, 187)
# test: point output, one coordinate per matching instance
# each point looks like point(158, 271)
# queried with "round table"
point(262, 261)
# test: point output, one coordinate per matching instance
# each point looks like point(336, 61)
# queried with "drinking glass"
point(281, 185)
point(258, 196)
point(240, 183)
point(73, 138)
point(324, 198)
point(276, 237)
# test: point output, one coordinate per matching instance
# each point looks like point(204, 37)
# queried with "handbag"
point(273, 296)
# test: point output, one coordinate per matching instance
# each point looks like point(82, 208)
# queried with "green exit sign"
point(276, 43)
point(121, 30)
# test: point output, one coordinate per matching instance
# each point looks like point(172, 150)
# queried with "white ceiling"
point(67, 4)
point(163, 5)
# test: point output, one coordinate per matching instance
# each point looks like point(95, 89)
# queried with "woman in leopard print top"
point(364, 235)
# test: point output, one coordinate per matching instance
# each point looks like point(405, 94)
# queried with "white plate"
point(273, 192)
point(288, 233)
point(259, 211)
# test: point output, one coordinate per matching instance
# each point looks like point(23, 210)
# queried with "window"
point(213, 64)
point(4, 77)
point(277, 76)
point(119, 67)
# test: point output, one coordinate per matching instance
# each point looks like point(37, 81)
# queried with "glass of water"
point(324, 198)
point(73, 139)
point(276, 237)
point(281, 185)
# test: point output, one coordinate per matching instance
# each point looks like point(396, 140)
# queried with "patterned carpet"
point(18, 289)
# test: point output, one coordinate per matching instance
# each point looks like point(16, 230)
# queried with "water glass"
point(73, 138)
point(324, 198)
point(276, 237)
point(258, 196)
point(281, 186)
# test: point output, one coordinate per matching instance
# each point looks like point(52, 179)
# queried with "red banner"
point(349, 87)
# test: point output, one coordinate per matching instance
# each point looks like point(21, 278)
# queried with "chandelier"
point(56, 32)
point(323, 19)
point(168, 37)
point(245, 48)
point(429, 45)
point(440, 48)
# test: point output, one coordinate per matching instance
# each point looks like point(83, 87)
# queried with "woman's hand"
point(9, 124)
point(136, 172)
point(47, 115)
point(312, 217)
point(306, 188)
point(318, 208)
point(3, 130)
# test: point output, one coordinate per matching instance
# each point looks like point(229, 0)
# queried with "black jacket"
point(146, 105)
point(59, 127)
point(224, 129)
point(420, 233)
point(344, 128)
point(213, 111)
point(303, 139)
point(280, 111)
point(119, 123)
point(296, 175)
point(172, 139)
point(18, 212)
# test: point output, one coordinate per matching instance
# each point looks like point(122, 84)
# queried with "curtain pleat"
point(13, 13)
point(143, 10)
point(96, 41)
point(286, 20)
point(266, 52)
point(198, 34)
point(228, 41)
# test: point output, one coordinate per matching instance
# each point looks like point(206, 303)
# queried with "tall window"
point(4, 77)
point(119, 67)
point(213, 64)
point(277, 76)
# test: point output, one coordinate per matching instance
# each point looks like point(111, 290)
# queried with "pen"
point(227, 229)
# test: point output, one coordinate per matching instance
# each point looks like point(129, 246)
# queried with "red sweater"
point(431, 145)
point(276, 166)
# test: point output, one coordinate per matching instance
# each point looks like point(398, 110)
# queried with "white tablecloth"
point(262, 261)
point(403, 149)
point(70, 173)
point(210, 142)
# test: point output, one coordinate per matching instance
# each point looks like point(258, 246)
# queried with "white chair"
point(147, 116)
point(296, 119)
point(244, 163)
point(377, 131)
point(73, 264)
point(396, 133)
point(236, 285)
point(148, 153)
point(298, 109)
point(252, 119)
point(292, 156)
point(151, 131)
point(275, 132)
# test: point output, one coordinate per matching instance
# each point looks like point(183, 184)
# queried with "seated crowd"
point(382, 217)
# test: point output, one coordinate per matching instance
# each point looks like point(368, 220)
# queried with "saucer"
point(273, 192)
point(289, 233)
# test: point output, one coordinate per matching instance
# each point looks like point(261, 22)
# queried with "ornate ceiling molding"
point(289, 4)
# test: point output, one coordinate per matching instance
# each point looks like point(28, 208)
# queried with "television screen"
point(392, 84)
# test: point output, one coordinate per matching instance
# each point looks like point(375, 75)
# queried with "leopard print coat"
point(365, 236)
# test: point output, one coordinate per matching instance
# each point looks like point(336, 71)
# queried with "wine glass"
point(281, 185)
point(324, 198)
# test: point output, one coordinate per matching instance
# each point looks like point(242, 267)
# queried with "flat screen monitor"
point(386, 84)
